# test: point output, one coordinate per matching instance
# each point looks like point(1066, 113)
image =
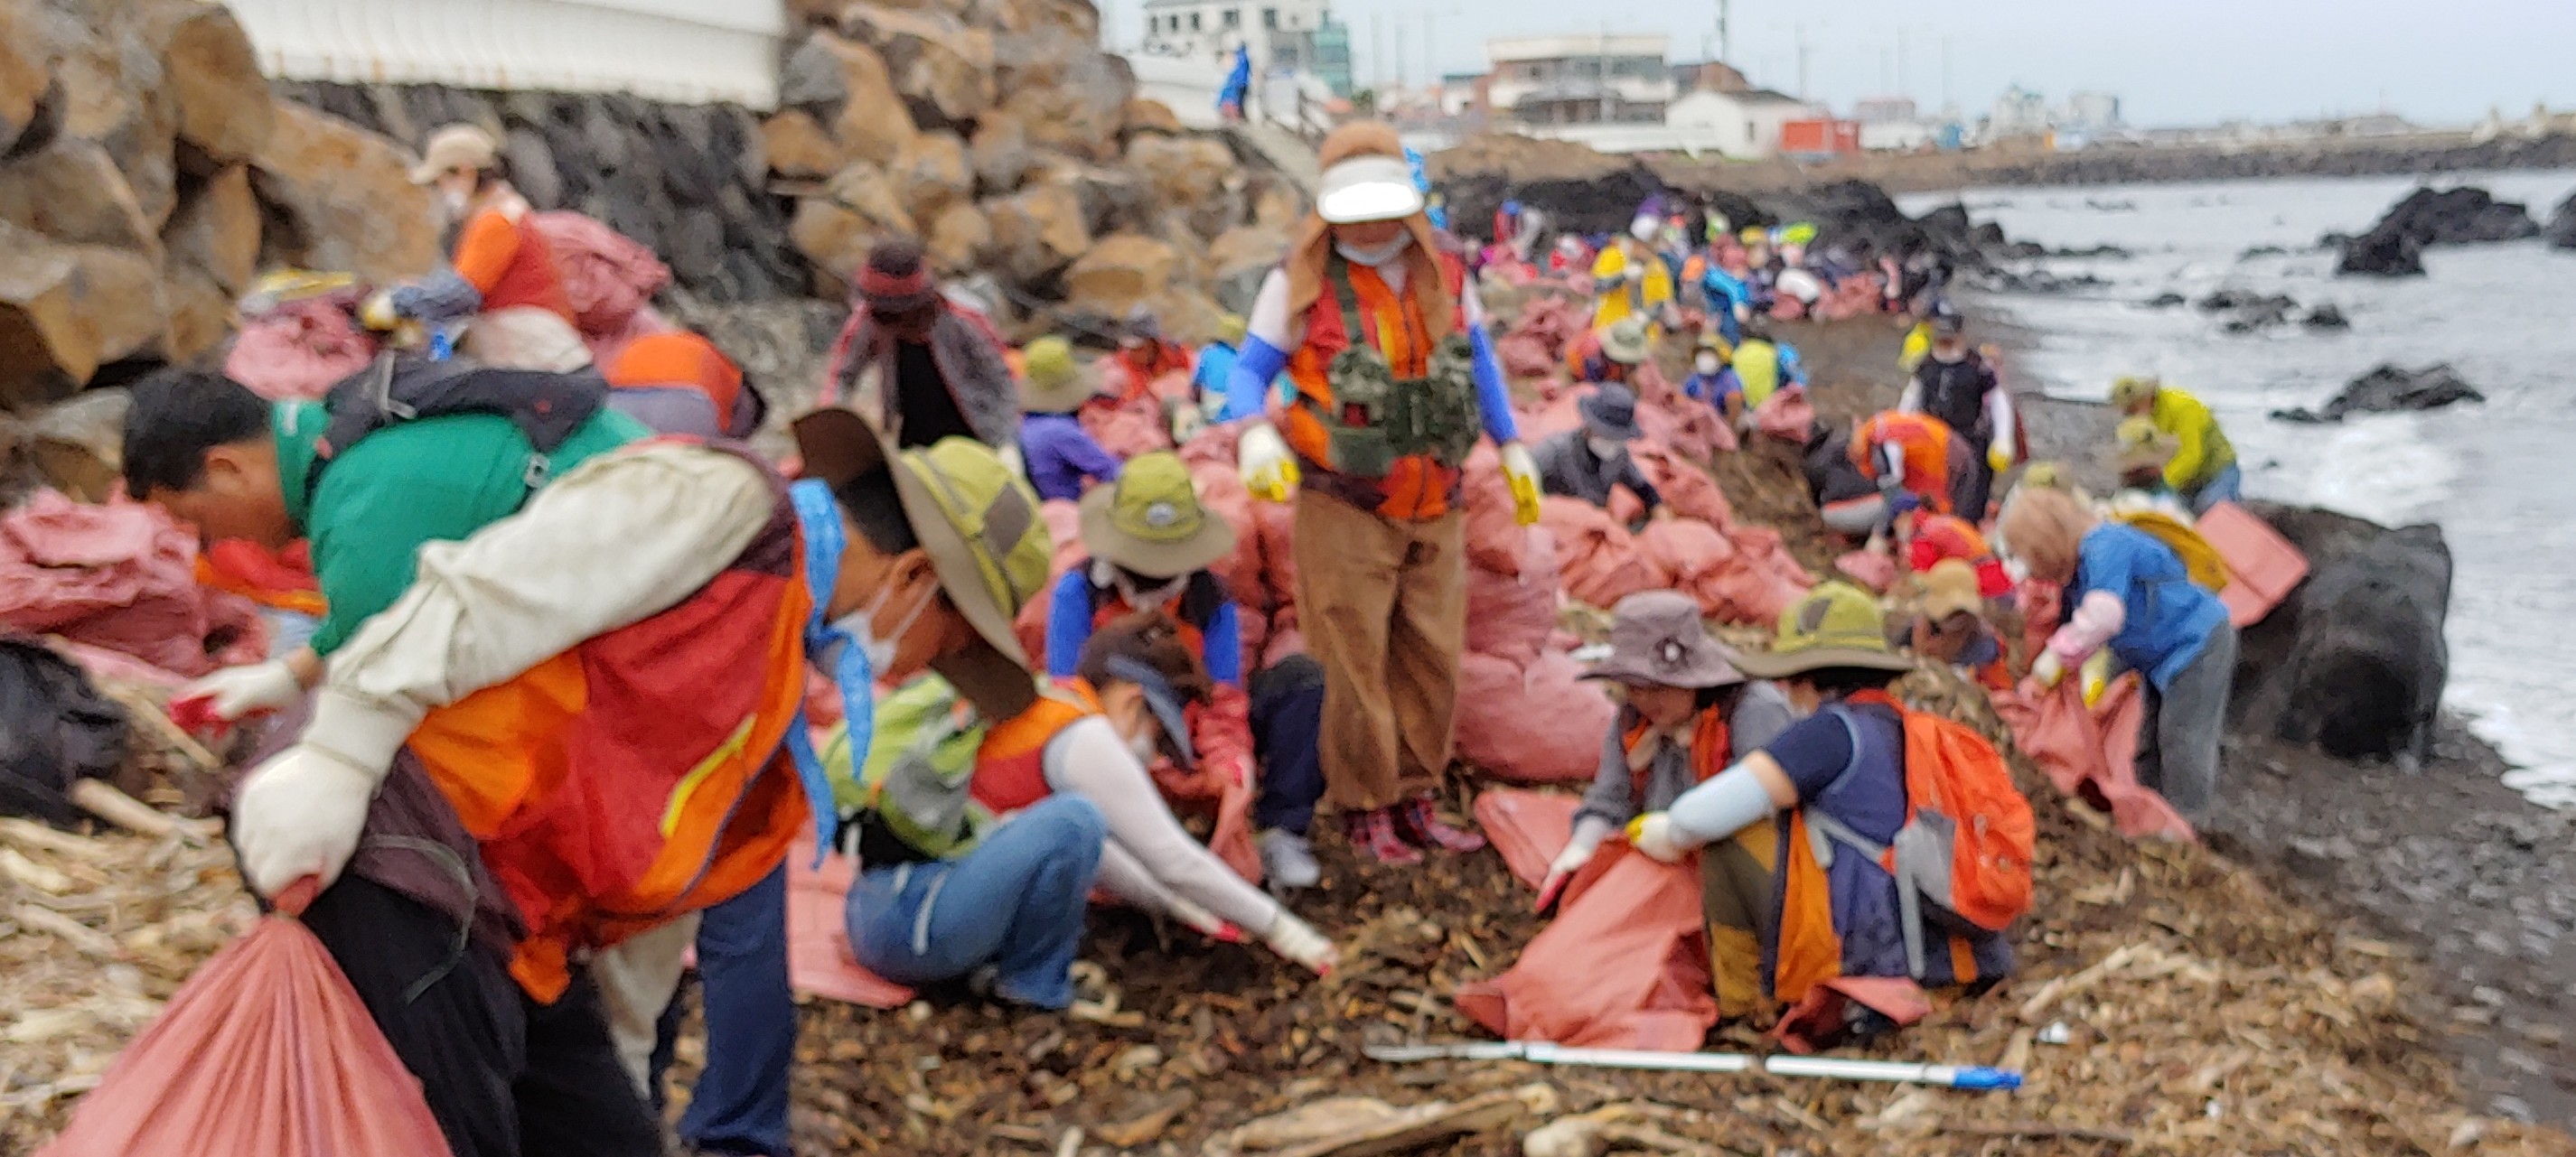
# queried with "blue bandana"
point(818, 516)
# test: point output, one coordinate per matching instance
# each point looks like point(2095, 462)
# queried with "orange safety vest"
point(527, 275)
point(642, 774)
point(1419, 487)
point(1711, 749)
point(1926, 443)
point(1010, 767)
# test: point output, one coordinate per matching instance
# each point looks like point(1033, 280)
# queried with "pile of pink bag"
point(609, 277)
point(299, 349)
point(116, 581)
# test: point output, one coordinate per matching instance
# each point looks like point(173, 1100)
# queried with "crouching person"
point(1862, 887)
point(1688, 713)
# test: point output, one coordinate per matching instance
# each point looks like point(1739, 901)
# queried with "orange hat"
point(679, 358)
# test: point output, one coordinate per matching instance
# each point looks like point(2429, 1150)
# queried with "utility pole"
point(1399, 53)
point(1802, 62)
point(1377, 52)
point(1725, 44)
point(1945, 73)
point(1900, 62)
point(1601, 61)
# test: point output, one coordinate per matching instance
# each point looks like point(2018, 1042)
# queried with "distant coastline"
point(2113, 164)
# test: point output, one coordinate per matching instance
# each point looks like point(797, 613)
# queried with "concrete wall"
point(678, 51)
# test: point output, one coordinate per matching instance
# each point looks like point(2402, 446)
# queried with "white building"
point(1577, 80)
point(2092, 112)
point(1872, 110)
point(1903, 136)
point(2019, 112)
point(1738, 124)
point(1211, 28)
point(683, 51)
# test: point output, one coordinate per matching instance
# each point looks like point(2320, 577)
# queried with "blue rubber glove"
point(1247, 388)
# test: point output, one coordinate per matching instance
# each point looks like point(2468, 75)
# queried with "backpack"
point(546, 406)
point(2200, 560)
point(1967, 842)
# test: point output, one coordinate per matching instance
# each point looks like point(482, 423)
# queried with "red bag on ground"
point(1786, 415)
point(1624, 965)
point(1541, 723)
point(1684, 486)
point(120, 576)
point(1869, 568)
point(1510, 616)
point(1527, 828)
point(1278, 523)
point(1222, 785)
point(607, 276)
point(1064, 522)
point(1220, 488)
point(1495, 539)
point(1127, 428)
point(2092, 752)
point(1595, 555)
point(298, 350)
point(265, 1052)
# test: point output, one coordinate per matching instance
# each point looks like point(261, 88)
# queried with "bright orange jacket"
point(1926, 444)
point(510, 264)
point(1419, 487)
point(1010, 767)
point(642, 774)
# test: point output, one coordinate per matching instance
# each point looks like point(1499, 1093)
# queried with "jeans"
point(1287, 723)
point(740, 1103)
point(1015, 902)
point(2227, 485)
point(503, 1074)
point(2178, 742)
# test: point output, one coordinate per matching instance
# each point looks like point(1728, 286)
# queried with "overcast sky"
point(2171, 61)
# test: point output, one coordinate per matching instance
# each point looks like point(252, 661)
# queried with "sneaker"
point(1421, 827)
point(1288, 861)
point(1373, 833)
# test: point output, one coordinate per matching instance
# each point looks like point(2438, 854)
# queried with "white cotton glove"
point(1653, 833)
point(1521, 471)
point(235, 693)
point(1269, 471)
point(300, 814)
point(377, 312)
point(2048, 670)
point(1187, 421)
point(1294, 939)
point(1588, 834)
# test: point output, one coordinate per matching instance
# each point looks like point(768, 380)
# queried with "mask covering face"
point(880, 649)
point(1138, 595)
point(1143, 744)
point(455, 202)
point(1606, 449)
point(1378, 255)
point(1706, 363)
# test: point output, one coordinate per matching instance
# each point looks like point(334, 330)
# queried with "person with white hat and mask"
point(503, 274)
point(1393, 377)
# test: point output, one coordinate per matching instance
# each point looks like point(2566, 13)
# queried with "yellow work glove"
point(1999, 456)
point(2097, 676)
point(2048, 670)
point(1653, 834)
point(1521, 471)
point(1269, 471)
point(378, 312)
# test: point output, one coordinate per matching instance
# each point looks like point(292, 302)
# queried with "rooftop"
point(1577, 45)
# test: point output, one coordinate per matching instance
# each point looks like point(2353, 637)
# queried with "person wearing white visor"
point(1392, 379)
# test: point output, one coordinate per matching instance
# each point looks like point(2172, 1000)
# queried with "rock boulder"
point(224, 105)
point(344, 199)
point(1037, 232)
point(2394, 247)
point(26, 78)
point(847, 84)
point(932, 174)
point(1120, 272)
point(1239, 259)
point(942, 67)
point(66, 310)
point(2561, 229)
point(796, 145)
point(958, 238)
point(2354, 661)
point(72, 191)
point(2391, 389)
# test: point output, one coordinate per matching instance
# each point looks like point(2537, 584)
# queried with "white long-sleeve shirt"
point(1149, 857)
point(618, 540)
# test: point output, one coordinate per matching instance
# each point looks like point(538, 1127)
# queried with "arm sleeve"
point(440, 297)
point(1999, 409)
point(836, 366)
point(2191, 447)
point(1731, 801)
point(1068, 624)
point(1611, 798)
point(2098, 617)
point(1089, 760)
point(1225, 645)
point(1493, 390)
point(1911, 400)
point(1084, 453)
point(616, 541)
point(1267, 338)
point(484, 252)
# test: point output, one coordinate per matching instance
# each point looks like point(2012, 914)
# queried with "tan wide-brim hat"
point(1950, 588)
point(1151, 521)
point(454, 147)
point(1836, 627)
point(949, 492)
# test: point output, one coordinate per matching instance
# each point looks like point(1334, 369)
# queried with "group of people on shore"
point(558, 726)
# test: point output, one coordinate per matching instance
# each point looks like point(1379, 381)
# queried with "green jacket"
point(405, 485)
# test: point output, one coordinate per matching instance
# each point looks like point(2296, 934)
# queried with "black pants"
point(504, 1075)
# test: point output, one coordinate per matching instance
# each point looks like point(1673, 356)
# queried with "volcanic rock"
point(2462, 216)
point(2354, 661)
point(2391, 389)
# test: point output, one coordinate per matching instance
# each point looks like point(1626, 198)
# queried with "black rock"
point(1987, 236)
point(1949, 222)
point(2166, 301)
point(2468, 215)
point(2325, 317)
point(2262, 251)
point(2022, 251)
point(2354, 661)
point(2390, 389)
point(2561, 229)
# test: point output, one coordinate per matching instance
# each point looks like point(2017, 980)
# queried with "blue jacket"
point(1069, 626)
point(2169, 617)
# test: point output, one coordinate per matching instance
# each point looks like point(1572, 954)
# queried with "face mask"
point(1606, 449)
point(1144, 746)
point(1380, 255)
point(880, 649)
point(1707, 363)
point(455, 203)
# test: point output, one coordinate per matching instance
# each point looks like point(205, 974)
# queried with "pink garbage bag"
point(1596, 556)
point(299, 350)
point(1540, 723)
point(2091, 752)
point(120, 576)
point(1624, 965)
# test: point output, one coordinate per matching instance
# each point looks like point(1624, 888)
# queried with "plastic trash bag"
point(1625, 964)
point(266, 1052)
point(1527, 828)
point(1536, 724)
point(2091, 753)
point(55, 728)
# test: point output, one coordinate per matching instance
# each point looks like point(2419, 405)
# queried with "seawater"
point(2499, 478)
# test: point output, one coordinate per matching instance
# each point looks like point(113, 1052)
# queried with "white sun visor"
point(1368, 189)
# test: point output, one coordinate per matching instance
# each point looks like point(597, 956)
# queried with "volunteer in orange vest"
point(680, 383)
point(503, 273)
point(1831, 785)
point(1919, 455)
point(1685, 714)
point(1379, 438)
point(571, 725)
point(1070, 742)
